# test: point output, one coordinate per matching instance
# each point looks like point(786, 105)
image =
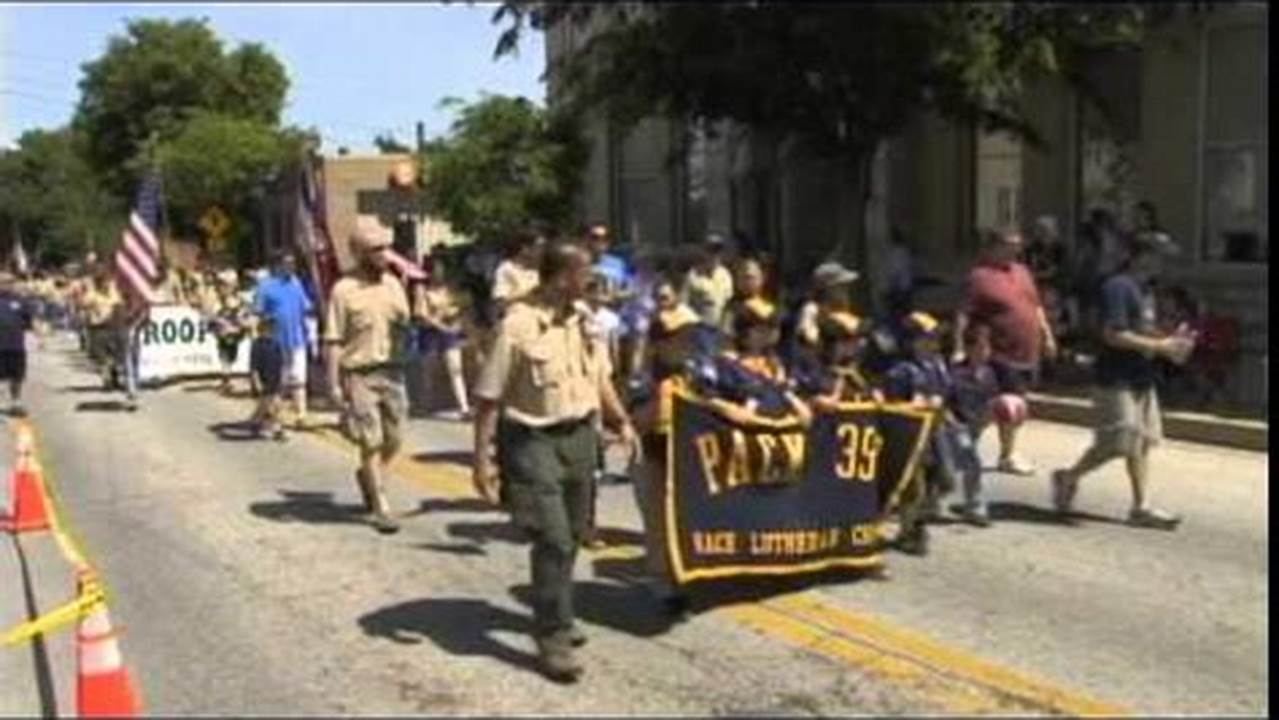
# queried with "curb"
point(1190, 427)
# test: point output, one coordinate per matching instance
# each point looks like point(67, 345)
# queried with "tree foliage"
point(222, 160)
point(505, 164)
point(161, 74)
point(52, 199)
point(387, 144)
point(841, 76)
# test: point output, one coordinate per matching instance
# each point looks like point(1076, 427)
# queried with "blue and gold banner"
point(772, 497)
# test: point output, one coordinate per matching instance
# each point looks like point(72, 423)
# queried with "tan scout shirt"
point(543, 370)
point(367, 319)
point(100, 305)
point(512, 281)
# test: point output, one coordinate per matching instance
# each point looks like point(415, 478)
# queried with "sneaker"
point(1064, 488)
point(279, 435)
point(576, 637)
point(556, 659)
point(385, 524)
point(1013, 465)
point(1153, 518)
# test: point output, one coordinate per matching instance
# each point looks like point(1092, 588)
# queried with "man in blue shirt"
point(614, 269)
point(1126, 402)
point(15, 322)
point(281, 297)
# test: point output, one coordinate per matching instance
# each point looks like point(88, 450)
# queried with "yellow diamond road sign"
point(215, 222)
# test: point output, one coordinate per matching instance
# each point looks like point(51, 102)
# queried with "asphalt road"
point(247, 583)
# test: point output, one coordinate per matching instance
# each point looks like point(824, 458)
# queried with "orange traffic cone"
point(27, 510)
point(103, 685)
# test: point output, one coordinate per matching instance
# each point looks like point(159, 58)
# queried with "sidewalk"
point(1187, 426)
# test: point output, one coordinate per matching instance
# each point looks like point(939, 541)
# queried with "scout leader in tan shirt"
point(550, 377)
point(364, 335)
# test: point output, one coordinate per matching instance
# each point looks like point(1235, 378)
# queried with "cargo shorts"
point(377, 410)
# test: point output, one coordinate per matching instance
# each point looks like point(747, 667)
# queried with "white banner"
point(176, 342)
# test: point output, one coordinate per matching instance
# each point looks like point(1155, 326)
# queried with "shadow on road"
point(480, 533)
point(1020, 512)
point(626, 608)
point(458, 626)
point(461, 505)
point(311, 507)
point(82, 389)
point(453, 549)
point(464, 458)
point(216, 389)
point(102, 406)
point(235, 431)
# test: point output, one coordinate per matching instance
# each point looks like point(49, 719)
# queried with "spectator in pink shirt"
point(1001, 294)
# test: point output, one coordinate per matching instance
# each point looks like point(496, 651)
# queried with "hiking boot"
point(676, 608)
point(975, 515)
point(1013, 465)
point(1153, 518)
point(556, 659)
point(914, 542)
point(385, 524)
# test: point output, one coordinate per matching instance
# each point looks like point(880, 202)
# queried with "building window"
point(999, 181)
point(1234, 199)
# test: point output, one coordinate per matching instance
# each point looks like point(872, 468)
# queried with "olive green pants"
point(547, 477)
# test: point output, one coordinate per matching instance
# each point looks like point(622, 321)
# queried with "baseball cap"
point(831, 274)
point(921, 324)
point(369, 235)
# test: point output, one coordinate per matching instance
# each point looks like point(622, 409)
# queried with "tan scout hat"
point(369, 235)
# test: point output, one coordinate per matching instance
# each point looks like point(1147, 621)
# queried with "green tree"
point(505, 164)
point(159, 75)
point(52, 199)
point(388, 145)
point(840, 78)
point(222, 160)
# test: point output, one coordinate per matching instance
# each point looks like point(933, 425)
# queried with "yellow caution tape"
point(91, 596)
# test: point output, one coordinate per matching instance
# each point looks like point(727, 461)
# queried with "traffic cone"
point(27, 511)
point(103, 685)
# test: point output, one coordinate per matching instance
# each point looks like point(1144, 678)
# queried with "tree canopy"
point(506, 163)
point(52, 200)
point(159, 75)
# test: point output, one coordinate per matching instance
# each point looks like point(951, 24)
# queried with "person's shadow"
point(628, 608)
point(235, 431)
point(103, 406)
point(309, 507)
point(1020, 512)
point(458, 626)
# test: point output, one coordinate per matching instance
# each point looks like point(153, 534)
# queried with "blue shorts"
point(433, 340)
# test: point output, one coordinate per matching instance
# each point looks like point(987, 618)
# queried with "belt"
point(559, 428)
point(370, 369)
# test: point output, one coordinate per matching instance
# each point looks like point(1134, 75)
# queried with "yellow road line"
point(943, 660)
point(952, 679)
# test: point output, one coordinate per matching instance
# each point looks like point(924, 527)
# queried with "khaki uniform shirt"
point(709, 294)
point(100, 305)
point(369, 321)
point(545, 370)
point(512, 281)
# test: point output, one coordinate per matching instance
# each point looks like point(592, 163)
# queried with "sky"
point(354, 71)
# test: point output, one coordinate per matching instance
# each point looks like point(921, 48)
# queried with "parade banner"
point(774, 498)
point(175, 342)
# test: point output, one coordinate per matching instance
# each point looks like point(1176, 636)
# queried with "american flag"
point(312, 235)
point(137, 259)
